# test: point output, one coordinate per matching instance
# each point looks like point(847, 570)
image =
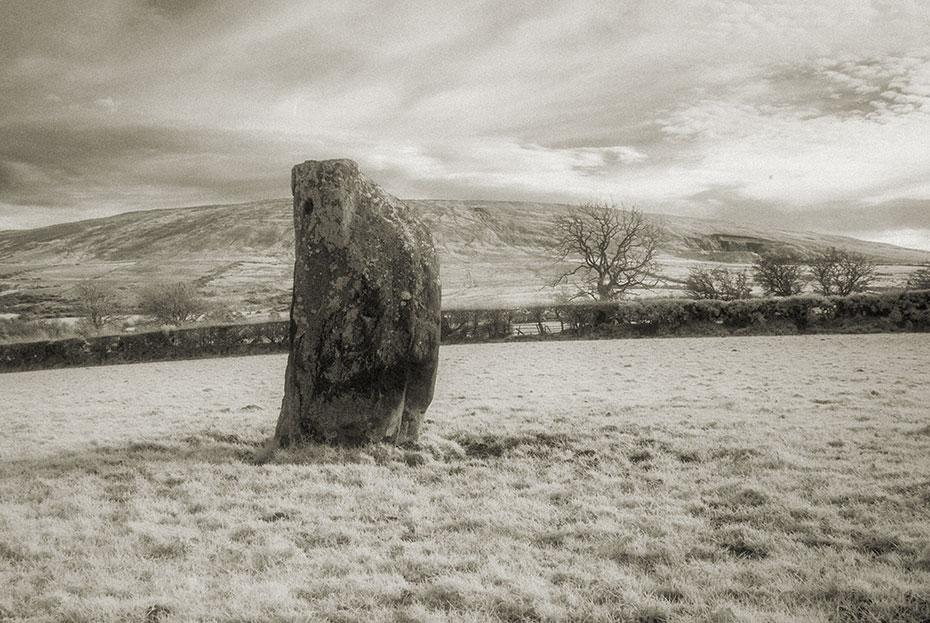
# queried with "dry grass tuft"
point(13, 553)
point(157, 614)
point(536, 444)
point(651, 614)
point(745, 542)
point(854, 604)
point(875, 543)
point(641, 456)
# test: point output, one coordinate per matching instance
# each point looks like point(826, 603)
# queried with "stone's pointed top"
point(332, 162)
point(336, 163)
point(340, 168)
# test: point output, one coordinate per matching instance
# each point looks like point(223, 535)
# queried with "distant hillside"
point(490, 252)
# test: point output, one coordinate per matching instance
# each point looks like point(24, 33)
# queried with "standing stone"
point(364, 335)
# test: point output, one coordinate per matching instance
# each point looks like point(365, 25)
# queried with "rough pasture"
point(757, 479)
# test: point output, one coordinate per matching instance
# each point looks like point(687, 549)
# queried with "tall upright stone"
point(365, 313)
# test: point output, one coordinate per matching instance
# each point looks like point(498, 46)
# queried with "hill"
point(242, 255)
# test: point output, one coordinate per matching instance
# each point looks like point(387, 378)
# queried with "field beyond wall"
point(696, 479)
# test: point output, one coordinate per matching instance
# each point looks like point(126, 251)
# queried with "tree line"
point(603, 251)
point(834, 272)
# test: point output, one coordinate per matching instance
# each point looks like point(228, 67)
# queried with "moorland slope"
point(491, 252)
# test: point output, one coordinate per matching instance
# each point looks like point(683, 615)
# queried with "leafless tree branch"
point(609, 250)
point(841, 273)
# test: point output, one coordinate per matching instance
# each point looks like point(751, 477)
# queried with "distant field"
point(692, 479)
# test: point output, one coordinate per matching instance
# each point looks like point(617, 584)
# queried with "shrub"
point(862, 312)
point(719, 283)
point(841, 273)
point(463, 325)
point(798, 309)
point(243, 339)
point(172, 303)
point(778, 274)
point(96, 303)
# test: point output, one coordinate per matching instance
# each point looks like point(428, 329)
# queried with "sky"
point(785, 113)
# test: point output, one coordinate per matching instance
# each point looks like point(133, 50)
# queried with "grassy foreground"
point(737, 479)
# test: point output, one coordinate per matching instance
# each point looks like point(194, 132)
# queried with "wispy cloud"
point(791, 106)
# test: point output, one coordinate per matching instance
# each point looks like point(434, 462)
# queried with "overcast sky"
point(797, 113)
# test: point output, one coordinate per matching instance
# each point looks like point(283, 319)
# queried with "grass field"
point(738, 479)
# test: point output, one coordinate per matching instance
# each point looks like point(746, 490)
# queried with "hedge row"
point(215, 341)
point(906, 311)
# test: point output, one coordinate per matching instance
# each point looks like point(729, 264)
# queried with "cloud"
point(111, 168)
point(792, 107)
point(855, 140)
point(507, 168)
point(176, 9)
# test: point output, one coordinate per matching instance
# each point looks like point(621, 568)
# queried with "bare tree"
point(718, 283)
point(172, 303)
point(920, 278)
point(608, 250)
point(841, 273)
point(778, 274)
point(96, 303)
